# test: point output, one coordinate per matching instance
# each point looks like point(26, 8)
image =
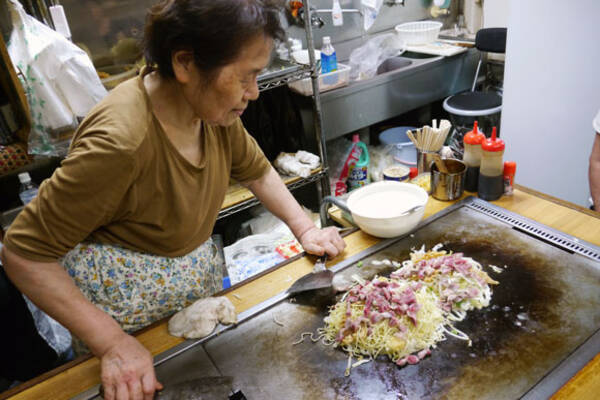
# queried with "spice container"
point(472, 157)
point(491, 173)
point(396, 173)
point(510, 168)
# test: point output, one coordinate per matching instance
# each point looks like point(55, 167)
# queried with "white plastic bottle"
point(28, 188)
point(328, 57)
point(336, 14)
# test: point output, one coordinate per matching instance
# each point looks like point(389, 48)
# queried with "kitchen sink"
point(402, 83)
point(392, 64)
point(417, 56)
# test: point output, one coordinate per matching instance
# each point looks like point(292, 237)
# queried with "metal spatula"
point(319, 278)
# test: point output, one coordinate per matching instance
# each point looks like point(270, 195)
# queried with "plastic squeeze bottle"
point(28, 188)
point(359, 174)
point(328, 57)
point(491, 173)
point(472, 157)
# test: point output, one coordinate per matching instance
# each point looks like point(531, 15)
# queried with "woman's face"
point(223, 99)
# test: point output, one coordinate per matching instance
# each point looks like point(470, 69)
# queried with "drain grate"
point(549, 235)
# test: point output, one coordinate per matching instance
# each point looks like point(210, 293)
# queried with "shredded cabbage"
point(444, 289)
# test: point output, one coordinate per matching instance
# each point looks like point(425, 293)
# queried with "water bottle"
point(328, 62)
point(28, 188)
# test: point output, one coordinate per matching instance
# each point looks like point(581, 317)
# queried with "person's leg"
point(24, 353)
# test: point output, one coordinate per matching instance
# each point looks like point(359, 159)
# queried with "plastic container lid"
point(326, 40)
point(493, 144)
point(395, 135)
point(24, 177)
point(475, 136)
point(510, 167)
point(414, 171)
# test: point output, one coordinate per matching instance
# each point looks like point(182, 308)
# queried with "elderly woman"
point(119, 236)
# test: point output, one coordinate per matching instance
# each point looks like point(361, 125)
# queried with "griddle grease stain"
point(498, 334)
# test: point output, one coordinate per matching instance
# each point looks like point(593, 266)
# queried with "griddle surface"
point(547, 304)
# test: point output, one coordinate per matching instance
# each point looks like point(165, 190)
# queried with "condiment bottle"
point(510, 168)
point(358, 175)
point(472, 157)
point(491, 173)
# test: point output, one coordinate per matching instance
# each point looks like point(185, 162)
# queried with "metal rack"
point(281, 73)
point(252, 201)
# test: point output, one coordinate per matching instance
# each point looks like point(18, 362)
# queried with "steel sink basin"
point(392, 64)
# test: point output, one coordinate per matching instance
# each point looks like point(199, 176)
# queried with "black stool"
point(485, 107)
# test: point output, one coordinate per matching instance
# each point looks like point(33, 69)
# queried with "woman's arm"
point(126, 365)
point(594, 172)
point(273, 193)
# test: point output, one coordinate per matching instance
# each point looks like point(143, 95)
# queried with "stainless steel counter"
point(393, 93)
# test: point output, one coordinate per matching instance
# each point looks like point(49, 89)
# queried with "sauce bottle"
point(491, 173)
point(472, 157)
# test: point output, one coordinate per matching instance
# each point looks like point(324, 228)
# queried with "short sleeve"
point(596, 123)
point(83, 194)
point(248, 161)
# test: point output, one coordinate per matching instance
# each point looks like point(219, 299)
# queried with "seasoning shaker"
point(510, 168)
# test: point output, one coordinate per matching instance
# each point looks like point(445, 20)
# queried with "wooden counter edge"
point(582, 381)
point(558, 201)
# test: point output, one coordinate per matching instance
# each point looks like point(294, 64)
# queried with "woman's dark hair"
point(215, 30)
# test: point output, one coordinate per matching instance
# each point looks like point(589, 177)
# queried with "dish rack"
point(419, 33)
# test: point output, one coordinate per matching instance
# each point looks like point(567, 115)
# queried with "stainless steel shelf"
point(281, 73)
point(225, 212)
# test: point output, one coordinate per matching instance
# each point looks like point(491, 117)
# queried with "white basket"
point(419, 33)
point(328, 81)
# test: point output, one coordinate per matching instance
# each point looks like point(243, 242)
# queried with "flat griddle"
point(541, 327)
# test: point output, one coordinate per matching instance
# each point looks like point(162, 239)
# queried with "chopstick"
point(430, 138)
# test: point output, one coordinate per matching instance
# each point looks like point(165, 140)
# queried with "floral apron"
point(136, 288)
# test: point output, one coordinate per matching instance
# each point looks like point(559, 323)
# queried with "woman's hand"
point(320, 241)
point(128, 371)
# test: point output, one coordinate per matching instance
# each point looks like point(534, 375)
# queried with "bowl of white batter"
point(386, 209)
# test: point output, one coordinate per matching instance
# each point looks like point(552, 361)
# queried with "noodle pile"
point(406, 315)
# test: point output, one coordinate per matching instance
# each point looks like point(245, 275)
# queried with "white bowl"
point(377, 208)
point(419, 32)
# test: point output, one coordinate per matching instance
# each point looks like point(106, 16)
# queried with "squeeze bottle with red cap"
point(491, 173)
point(510, 168)
point(472, 157)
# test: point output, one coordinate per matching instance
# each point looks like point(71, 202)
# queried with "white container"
point(326, 81)
point(375, 212)
point(419, 33)
point(301, 56)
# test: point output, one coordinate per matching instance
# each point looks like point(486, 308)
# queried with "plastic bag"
point(381, 158)
point(56, 335)
point(340, 158)
point(365, 59)
point(59, 80)
point(370, 10)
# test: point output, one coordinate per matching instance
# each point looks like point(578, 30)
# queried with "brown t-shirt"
point(124, 183)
